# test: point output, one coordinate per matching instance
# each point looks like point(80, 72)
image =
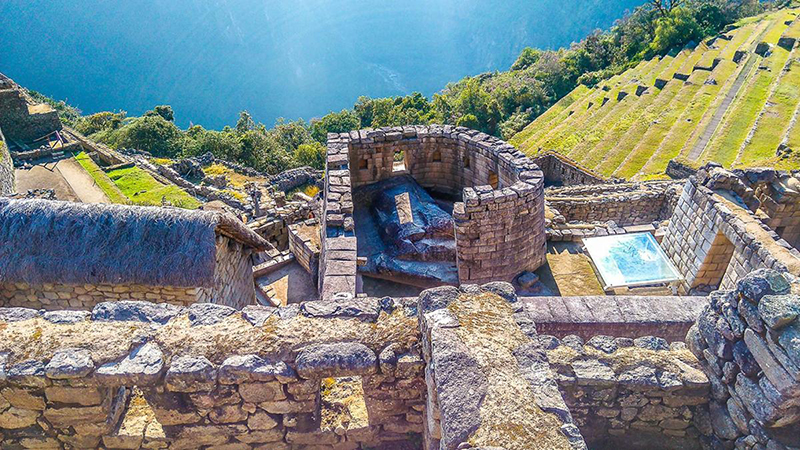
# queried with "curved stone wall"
point(499, 222)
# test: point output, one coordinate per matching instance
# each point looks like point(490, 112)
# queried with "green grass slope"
point(734, 113)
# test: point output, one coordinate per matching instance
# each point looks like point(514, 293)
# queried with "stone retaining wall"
point(294, 178)
point(499, 224)
point(618, 316)
point(714, 241)
point(274, 226)
point(625, 204)
point(233, 277)
point(137, 374)
point(7, 183)
point(561, 171)
point(748, 341)
point(632, 393)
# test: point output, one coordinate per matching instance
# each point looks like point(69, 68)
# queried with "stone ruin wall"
point(305, 251)
point(782, 206)
point(625, 204)
point(631, 393)
point(713, 242)
point(233, 276)
point(748, 341)
point(208, 375)
point(624, 316)
point(233, 286)
point(456, 366)
point(562, 171)
point(7, 181)
point(499, 231)
point(19, 122)
point(274, 226)
point(60, 296)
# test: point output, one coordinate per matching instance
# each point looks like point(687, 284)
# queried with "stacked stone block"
point(151, 394)
point(23, 121)
point(7, 182)
point(624, 204)
point(84, 297)
point(500, 222)
point(488, 379)
point(748, 341)
point(562, 171)
point(303, 247)
point(780, 200)
point(631, 393)
point(701, 214)
point(233, 277)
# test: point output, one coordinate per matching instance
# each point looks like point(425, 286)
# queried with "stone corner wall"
point(7, 181)
point(625, 204)
point(714, 242)
point(748, 342)
point(488, 378)
point(19, 122)
point(143, 375)
point(233, 277)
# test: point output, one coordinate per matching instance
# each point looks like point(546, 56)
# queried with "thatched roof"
point(45, 241)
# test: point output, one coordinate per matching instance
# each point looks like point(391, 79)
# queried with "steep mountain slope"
point(734, 99)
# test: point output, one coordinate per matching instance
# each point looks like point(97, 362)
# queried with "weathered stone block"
point(341, 359)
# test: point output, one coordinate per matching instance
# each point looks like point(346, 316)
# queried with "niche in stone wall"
point(493, 179)
point(436, 156)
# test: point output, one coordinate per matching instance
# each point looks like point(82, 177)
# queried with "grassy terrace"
point(142, 189)
point(772, 122)
point(587, 108)
point(621, 119)
point(742, 115)
point(617, 145)
point(103, 182)
point(546, 120)
point(636, 137)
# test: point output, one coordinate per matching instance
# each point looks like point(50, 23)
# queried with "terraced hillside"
point(734, 99)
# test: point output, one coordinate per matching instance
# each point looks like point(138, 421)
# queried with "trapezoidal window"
point(493, 180)
point(362, 163)
point(466, 162)
point(437, 156)
point(399, 163)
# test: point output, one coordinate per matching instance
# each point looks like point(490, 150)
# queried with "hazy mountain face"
point(210, 59)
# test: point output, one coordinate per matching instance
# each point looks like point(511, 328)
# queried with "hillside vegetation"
point(733, 99)
point(498, 103)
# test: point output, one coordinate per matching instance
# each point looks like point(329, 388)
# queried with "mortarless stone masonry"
point(499, 222)
point(713, 240)
point(465, 367)
point(748, 341)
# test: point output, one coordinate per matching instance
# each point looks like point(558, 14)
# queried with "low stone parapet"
point(669, 317)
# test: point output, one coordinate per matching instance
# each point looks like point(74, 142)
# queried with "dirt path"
point(45, 176)
point(81, 182)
